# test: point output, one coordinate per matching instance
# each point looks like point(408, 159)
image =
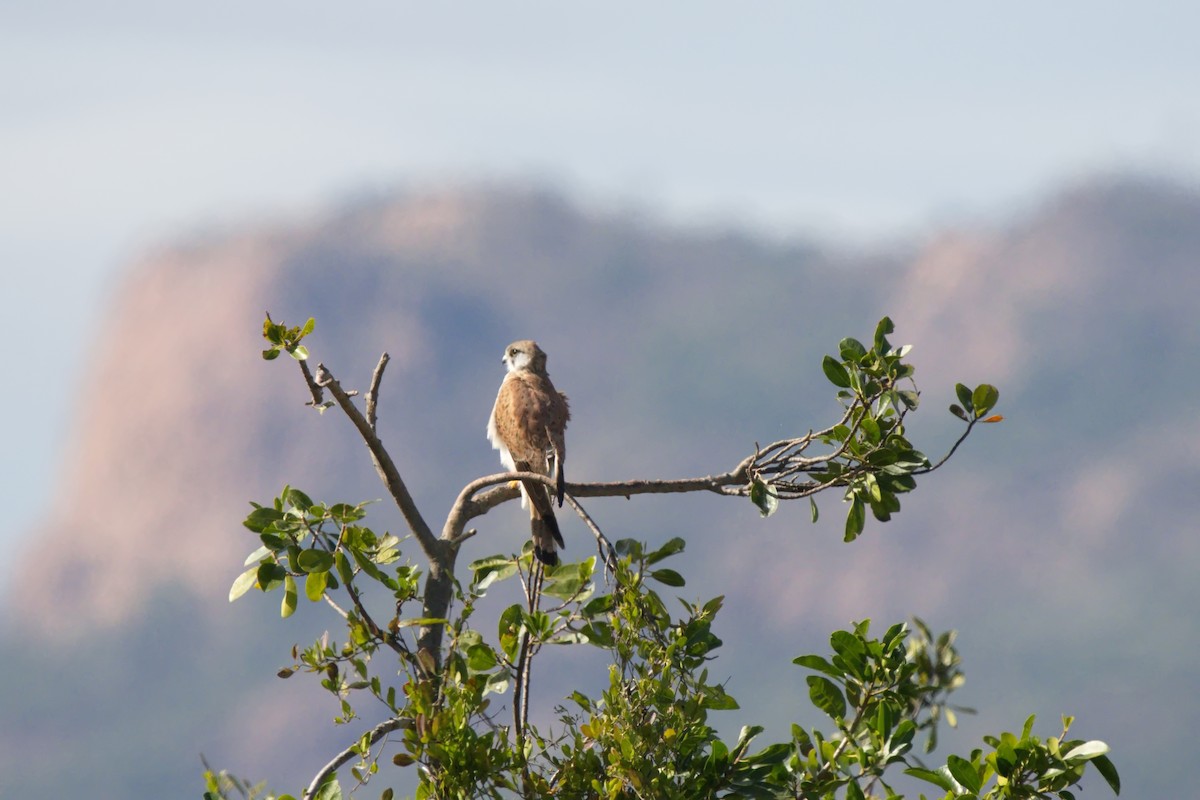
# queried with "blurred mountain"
point(1059, 542)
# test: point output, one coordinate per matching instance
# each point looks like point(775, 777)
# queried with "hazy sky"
point(124, 123)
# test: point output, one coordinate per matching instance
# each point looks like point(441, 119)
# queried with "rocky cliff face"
point(679, 349)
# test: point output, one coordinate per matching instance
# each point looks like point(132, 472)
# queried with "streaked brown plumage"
point(528, 424)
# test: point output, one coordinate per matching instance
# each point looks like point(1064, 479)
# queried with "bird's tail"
point(546, 539)
point(543, 525)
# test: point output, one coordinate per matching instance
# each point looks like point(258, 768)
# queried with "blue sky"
point(128, 123)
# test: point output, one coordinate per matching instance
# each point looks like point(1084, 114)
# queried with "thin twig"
point(946, 457)
point(607, 553)
point(373, 391)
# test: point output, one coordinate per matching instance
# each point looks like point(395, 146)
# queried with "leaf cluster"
point(648, 733)
point(869, 454)
point(286, 340)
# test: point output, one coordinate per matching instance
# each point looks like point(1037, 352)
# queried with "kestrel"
point(527, 427)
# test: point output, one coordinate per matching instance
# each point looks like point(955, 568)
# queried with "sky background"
point(135, 122)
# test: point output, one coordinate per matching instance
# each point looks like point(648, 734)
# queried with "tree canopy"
point(457, 699)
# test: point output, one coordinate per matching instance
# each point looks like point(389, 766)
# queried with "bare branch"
point(471, 504)
point(383, 462)
point(373, 392)
point(318, 395)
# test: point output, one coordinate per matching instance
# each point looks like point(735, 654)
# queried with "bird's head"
point(524, 354)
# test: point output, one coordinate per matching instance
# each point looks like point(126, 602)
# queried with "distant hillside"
point(680, 349)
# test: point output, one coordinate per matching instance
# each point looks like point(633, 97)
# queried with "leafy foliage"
point(460, 718)
point(286, 340)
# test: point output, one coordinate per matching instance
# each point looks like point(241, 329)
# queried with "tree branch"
point(375, 734)
point(471, 504)
point(946, 457)
point(383, 462)
point(373, 392)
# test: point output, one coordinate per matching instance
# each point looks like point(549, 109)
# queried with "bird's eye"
point(512, 352)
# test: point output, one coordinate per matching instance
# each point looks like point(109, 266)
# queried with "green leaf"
point(299, 499)
point(856, 518)
point(330, 790)
point(488, 574)
point(819, 664)
point(256, 556)
point(764, 497)
point(308, 327)
point(270, 575)
point(812, 504)
point(563, 587)
point(1109, 772)
point(1086, 751)
point(480, 657)
point(367, 565)
point(314, 585)
point(270, 355)
point(509, 626)
point(299, 352)
point(344, 570)
point(850, 651)
point(984, 398)
point(870, 429)
point(826, 696)
point(929, 776)
point(882, 330)
point(745, 736)
point(598, 605)
point(343, 513)
point(315, 561)
point(851, 349)
point(273, 542)
point(667, 576)
point(964, 772)
point(716, 699)
point(244, 583)
point(258, 519)
point(674, 545)
point(964, 397)
point(288, 606)
point(853, 792)
point(957, 411)
point(835, 372)
point(1028, 727)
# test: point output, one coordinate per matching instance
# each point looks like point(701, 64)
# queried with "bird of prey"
point(527, 427)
